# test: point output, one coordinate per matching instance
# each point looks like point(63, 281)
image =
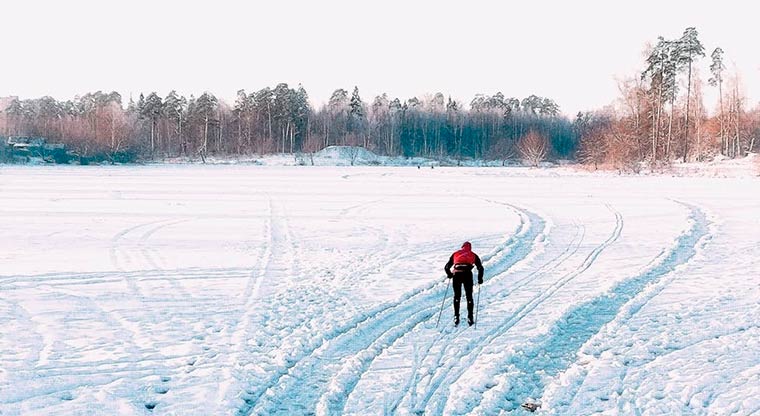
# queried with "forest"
point(659, 117)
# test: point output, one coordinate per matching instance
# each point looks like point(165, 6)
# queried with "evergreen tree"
point(690, 48)
point(152, 109)
point(716, 69)
point(205, 108)
point(357, 118)
point(174, 110)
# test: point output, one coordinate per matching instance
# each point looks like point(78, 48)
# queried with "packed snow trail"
point(299, 390)
point(442, 342)
point(444, 337)
point(465, 354)
point(344, 381)
point(528, 369)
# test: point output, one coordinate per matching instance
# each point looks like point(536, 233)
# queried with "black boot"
point(456, 320)
point(470, 321)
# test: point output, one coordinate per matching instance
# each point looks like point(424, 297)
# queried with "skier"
point(459, 269)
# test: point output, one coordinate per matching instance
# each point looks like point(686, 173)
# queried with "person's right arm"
point(447, 268)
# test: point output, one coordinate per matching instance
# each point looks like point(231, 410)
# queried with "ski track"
point(280, 266)
point(553, 353)
point(547, 266)
point(159, 263)
point(649, 289)
point(141, 362)
point(465, 355)
point(153, 341)
point(305, 379)
point(147, 253)
point(115, 250)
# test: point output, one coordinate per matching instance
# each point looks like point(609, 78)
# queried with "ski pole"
point(477, 307)
point(442, 303)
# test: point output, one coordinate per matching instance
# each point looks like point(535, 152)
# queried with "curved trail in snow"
point(557, 351)
point(297, 387)
point(343, 383)
point(547, 266)
point(467, 354)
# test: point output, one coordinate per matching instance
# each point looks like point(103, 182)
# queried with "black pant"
point(459, 280)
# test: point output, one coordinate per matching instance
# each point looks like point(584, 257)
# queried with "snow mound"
point(348, 153)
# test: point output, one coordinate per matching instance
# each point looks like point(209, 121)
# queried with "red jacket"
point(463, 261)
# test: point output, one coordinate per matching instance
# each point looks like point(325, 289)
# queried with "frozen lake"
point(315, 290)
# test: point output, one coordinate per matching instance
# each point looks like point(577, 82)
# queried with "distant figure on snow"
point(459, 269)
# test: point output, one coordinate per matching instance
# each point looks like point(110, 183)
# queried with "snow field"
point(316, 290)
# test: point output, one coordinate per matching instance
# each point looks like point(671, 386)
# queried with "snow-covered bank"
point(337, 156)
point(189, 289)
point(748, 166)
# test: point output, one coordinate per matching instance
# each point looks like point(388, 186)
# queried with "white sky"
point(570, 51)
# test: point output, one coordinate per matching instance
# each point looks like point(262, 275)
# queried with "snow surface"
point(208, 290)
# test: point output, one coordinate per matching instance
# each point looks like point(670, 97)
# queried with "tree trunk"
point(240, 135)
point(670, 129)
point(221, 131)
point(179, 137)
point(688, 98)
point(205, 136)
point(113, 131)
point(269, 115)
point(723, 144)
point(737, 121)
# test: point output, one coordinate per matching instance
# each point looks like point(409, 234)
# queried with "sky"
point(570, 51)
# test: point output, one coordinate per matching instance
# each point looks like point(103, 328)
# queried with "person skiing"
point(459, 269)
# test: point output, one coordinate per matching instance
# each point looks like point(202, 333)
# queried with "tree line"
point(661, 117)
point(282, 120)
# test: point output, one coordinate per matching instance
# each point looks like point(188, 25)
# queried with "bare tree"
point(533, 148)
point(593, 148)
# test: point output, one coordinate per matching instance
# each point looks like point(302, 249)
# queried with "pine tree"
point(690, 48)
point(357, 118)
point(338, 115)
point(174, 110)
point(717, 68)
point(242, 111)
point(263, 105)
point(152, 109)
point(205, 107)
point(661, 71)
